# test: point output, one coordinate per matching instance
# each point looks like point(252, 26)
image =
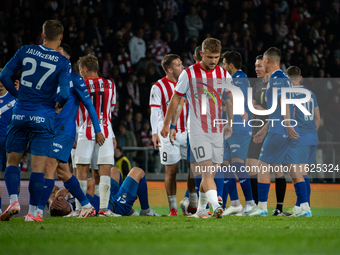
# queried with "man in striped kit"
point(103, 96)
point(160, 96)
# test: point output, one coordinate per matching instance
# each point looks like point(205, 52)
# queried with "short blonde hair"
point(90, 61)
point(52, 29)
point(211, 44)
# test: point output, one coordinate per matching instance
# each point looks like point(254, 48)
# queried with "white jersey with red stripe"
point(161, 93)
point(203, 96)
point(103, 96)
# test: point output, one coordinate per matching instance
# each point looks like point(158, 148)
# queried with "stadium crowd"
point(130, 39)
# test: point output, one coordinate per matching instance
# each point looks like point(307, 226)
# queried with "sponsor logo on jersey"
point(57, 145)
point(37, 119)
point(17, 117)
point(56, 150)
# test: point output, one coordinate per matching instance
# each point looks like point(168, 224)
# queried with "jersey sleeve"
point(182, 85)
point(315, 100)
point(155, 97)
point(84, 97)
point(11, 68)
point(64, 83)
point(114, 97)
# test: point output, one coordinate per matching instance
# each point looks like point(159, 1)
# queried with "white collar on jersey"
point(45, 48)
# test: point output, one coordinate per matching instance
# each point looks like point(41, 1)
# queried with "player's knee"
point(90, 183)
point(137, 172)
point(171, 170)
point(115, 173)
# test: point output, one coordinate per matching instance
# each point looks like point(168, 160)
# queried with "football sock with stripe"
point(73, 186)
point(263, 190)
point(36, 188)
point(244, 180)
point(308, 187)
point(142, 193)
point(48, 188)
point(12, 180)
point(280, 188)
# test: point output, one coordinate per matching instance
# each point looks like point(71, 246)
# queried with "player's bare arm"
point(174, 102)
point(260, 135)
point(174, 120)
point(100, 138)
point(290, 130)
point(228, 130)
point(317, 118)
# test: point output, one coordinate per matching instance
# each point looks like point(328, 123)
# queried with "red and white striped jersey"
point(161, 93)
point(204, 98)
point(103, 97)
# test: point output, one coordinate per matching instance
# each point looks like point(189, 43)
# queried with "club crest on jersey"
point(124, 195)
point(9, 105)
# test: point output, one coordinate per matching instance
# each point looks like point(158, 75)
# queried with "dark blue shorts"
point(61, 147)
point(307, 154)
point(37, 131)
point(122, 198)
point(237, 145)
point(279, 149)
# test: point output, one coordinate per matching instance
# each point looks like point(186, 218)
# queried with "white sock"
point(172, 202)
point(13, 198)
point(40, 211)
point(78, 205)
point(0, 211)
point(263, 205)
point(32, 209)
point(296, 208)
point(104, 192)
point(87, 206)
point(251, 203)
point(212, 198)
point(235, 203)
point(305, 206)
point(193, 200)
point(96, 190)
point(83, 186)
point(202, 201)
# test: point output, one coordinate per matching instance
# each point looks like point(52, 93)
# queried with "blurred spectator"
point(158, 48)
point(123, 60)
point(133, 89)
point(137, 47)
point(281, 29)
point(290, 41)
point(168, 25)
point(170, 5)
point(307, 69)
point(193, 23)
point(122, 162)
point(128, 122)
point(126, 138)
point(138, 122)
point(96, 50)
point(94, 31)
point(107, 65)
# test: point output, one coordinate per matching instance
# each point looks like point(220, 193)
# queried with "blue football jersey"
point(306, 123)
point(7, 103)
point(240, 80)
point(278, 80)
point(42, 70)
point(65, 120)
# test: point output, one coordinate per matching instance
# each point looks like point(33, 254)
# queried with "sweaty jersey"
point(42, 70)
point(240, 80)
point(161, 93)
point(7, 103)
point(307, 128)
point(65, 122)
point(203, 96)
point(278, 80)
point(103, 96)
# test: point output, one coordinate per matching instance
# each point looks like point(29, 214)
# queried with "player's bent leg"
point(104, 187)
point(280, 189)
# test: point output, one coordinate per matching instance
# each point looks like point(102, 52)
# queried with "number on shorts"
point(165, 156)
point(199, 152)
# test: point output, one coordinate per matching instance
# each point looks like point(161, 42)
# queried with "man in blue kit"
point(280, 144)
point(7, 102)
point(43, 69)
point(236, 146)
point(65, 133)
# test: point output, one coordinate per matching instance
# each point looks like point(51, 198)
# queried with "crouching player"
point(122, 196)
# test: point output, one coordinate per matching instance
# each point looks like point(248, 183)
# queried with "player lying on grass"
point(122, 196)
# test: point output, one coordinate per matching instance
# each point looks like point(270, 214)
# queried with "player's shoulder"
point(77, 80)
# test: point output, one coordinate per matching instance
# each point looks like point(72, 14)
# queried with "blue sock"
point(263, 190)
point(187, 194)
point(48, 188)
point(308, 187)
point(225, 193)
point(198, 180)
point(12, 179)
point(219, 179)
point(142, 193)
point(72, 185)
point(36, 188)
point(244, 180)
point(301, 192)
point(231, 185)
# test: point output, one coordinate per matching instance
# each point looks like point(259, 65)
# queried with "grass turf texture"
point(173, 235)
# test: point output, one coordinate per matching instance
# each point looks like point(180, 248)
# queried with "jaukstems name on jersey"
point(238, 100)
point(42, 55)
point(290, 122)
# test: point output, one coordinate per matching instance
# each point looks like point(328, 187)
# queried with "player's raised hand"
point(172, 136)
point(227, 131)
point(61, 193)
point(100, 138)
point(114, 143)
point(156, 141)
point(57, 106)
point(165, 131)
point(292, 133)
point(74, 144)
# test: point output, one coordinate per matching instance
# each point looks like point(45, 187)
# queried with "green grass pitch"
point(174, 235)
